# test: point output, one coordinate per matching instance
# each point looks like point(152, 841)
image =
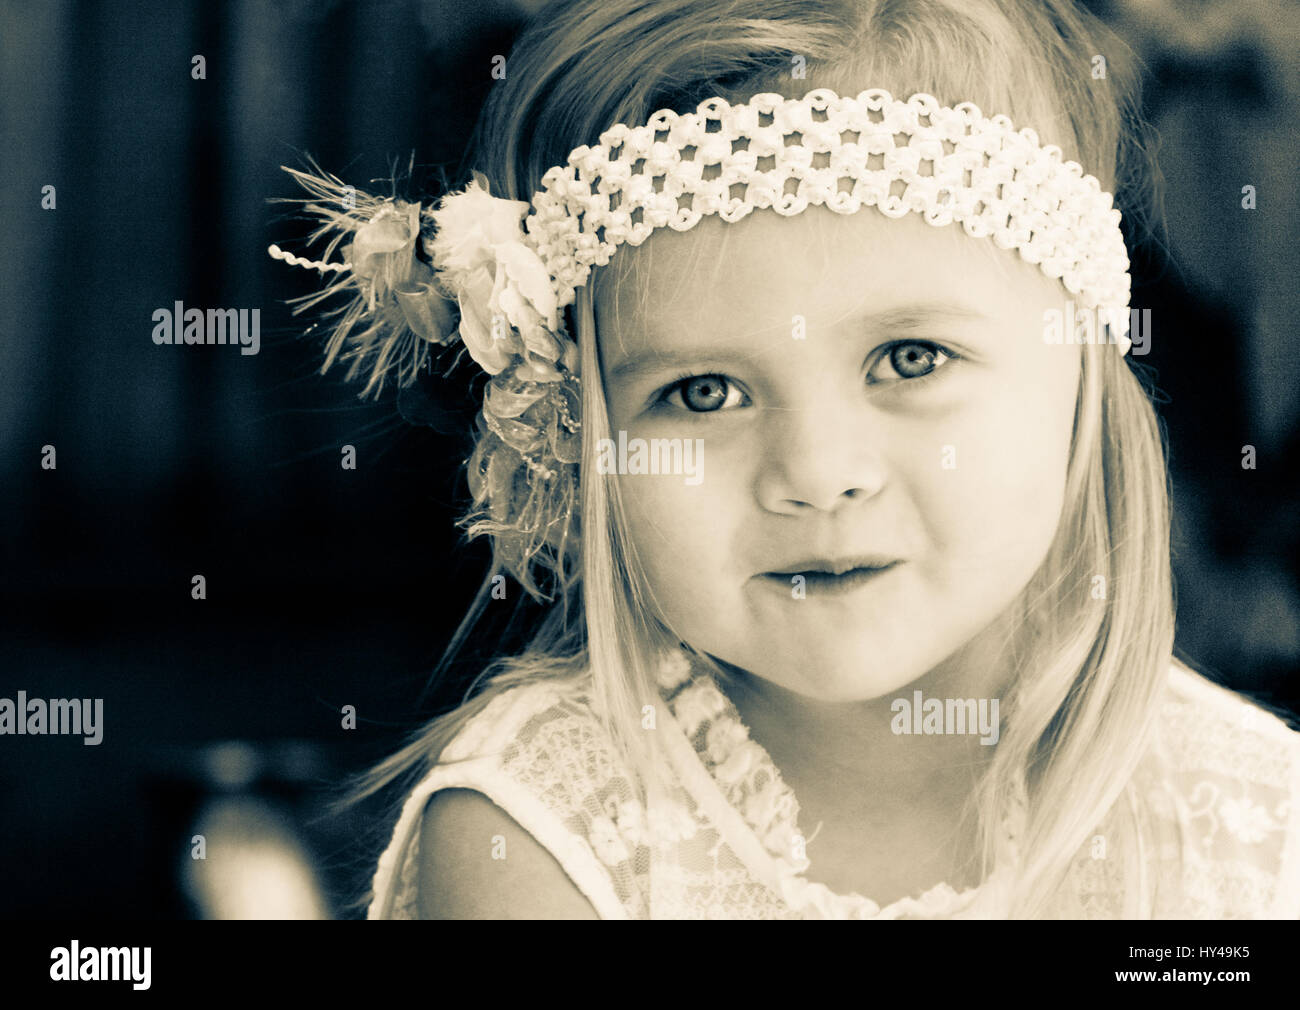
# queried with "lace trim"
point(751, 784)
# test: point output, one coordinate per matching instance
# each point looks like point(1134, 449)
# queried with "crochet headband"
point(496, 273)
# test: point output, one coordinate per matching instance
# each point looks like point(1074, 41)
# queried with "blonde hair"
point(1089, 671)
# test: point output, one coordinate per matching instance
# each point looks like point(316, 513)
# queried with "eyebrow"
point(899, 318)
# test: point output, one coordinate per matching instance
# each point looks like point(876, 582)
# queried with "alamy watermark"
point(179, 325)
point(56, 717)
point(1078, 324)
point(75, 963)
point(657, 456)
point(946, 716)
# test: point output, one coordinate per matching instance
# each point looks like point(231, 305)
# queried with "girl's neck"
point(853, 748)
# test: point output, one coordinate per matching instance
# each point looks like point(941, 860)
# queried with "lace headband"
point(496, 273)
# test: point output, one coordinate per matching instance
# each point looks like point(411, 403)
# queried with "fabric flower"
point(628, 820)
point(771, 807)
point(723, 738)
point(673, 669)
point(670, 822)
point(383, 253)
point(508, 303)
point(696, 704)
point(530, 297)
point(383, 249)
point(522, 294)
point(1248, 821)
point(736, 768)
point(427, 312)
point(469, 224)
point(490, 342)
point(605, 841)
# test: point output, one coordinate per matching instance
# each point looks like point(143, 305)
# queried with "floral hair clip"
point(419, 278)
point(489, 287)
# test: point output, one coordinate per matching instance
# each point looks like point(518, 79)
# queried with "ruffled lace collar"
point(751, 783)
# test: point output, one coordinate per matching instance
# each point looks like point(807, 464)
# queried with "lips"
point(835, 566)
point(814, 583)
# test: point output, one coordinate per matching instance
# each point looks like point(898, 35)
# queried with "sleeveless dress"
point(725, 843)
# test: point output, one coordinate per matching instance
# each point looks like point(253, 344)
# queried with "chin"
point(838, 676)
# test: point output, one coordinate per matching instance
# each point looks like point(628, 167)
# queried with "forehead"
point(731, 278)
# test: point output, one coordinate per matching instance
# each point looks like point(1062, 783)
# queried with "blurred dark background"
point(329, 587)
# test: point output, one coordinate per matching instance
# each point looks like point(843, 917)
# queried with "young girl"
point(811, 415)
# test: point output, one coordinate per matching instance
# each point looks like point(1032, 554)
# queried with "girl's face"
point(860, 391)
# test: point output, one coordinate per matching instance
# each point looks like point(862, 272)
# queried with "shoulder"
point(1234, 722)
point(515, 710)
point(477, 862)
point(544, 736)
point(1232, 768)
point(512, 821)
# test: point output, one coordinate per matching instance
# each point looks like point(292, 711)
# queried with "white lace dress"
point(722, 845)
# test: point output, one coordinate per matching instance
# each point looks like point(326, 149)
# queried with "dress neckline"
point(749, 781)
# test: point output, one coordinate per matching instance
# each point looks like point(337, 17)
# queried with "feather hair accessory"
point(414, 280)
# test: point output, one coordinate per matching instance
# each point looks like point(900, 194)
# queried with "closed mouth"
point(815, 579)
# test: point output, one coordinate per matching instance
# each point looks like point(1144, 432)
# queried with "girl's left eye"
point(910, 359)
point(704, 394)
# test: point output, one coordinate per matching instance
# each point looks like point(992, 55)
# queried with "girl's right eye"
point(703, 394)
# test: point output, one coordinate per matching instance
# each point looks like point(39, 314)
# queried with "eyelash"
point(949, 356)
point(681, 380)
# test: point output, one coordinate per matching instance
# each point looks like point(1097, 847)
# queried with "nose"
point(818, 457)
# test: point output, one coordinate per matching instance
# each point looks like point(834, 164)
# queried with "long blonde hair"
point(1088, 670)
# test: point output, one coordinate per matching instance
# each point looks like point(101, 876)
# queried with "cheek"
point(998, 507)
point(678, 531)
